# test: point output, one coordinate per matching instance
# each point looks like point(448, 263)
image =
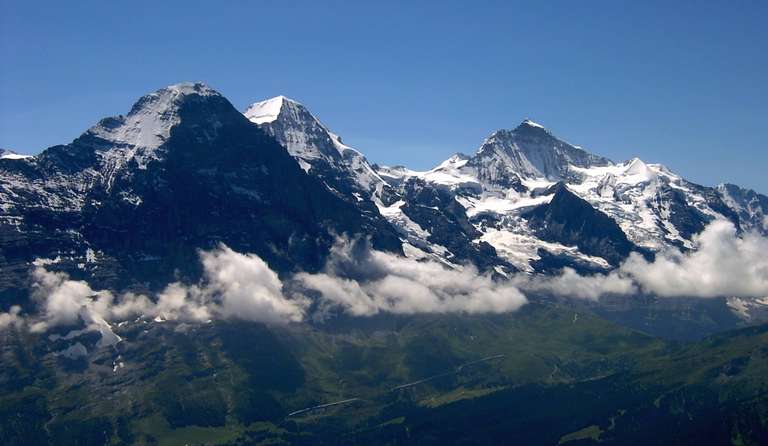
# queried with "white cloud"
point(12, 318)
point(62, 301)
point(235, 286)
point(569, 283)
point(181, 302)
point(364, 282)
point(247, 288)
point(723, 265)
point(348, 294)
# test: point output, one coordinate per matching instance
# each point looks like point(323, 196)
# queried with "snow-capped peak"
point(296, 122)
point(531, 151)
point(267, 110)
point(151, 118)
point(531, 123)
point(296, 128)
point(187, 88)
point(310, 142)
point(167, 100)
point(637, 167)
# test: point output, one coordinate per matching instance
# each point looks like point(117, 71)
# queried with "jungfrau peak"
point(531, 151)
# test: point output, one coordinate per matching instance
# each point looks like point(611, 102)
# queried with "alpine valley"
point(192, 274)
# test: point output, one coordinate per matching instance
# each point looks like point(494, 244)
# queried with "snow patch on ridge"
point(497, 205)
point(394, 214)
point(415, 243)
point(451, 173)
point(519, 246)
point(6, 154)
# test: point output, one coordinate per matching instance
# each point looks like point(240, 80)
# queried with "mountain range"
point(145, 204)
point(517, 183)
point(128, 204)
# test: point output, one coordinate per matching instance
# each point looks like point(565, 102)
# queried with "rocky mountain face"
point(571, 221)
point(129, 203)
point(343, 170)
point(750, 206)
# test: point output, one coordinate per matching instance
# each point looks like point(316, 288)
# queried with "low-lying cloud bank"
point(723, 265)
point(363, 282)
point(234, 286)
point(360, 281)
point(357, 281)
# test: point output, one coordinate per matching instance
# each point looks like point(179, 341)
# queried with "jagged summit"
point(638, 167)
point(529, 125)
point(183, 89)
point(169, 98)
point(151, 118)
point(284, 111)
point(532, 151)
point(751, 206)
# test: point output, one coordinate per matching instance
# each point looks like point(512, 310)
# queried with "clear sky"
point(681, 83)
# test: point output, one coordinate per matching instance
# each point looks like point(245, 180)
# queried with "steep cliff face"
point(343, 170)
point(570, 220)
point(750, 206)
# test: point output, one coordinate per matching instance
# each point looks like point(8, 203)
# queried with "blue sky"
point(681, 83)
